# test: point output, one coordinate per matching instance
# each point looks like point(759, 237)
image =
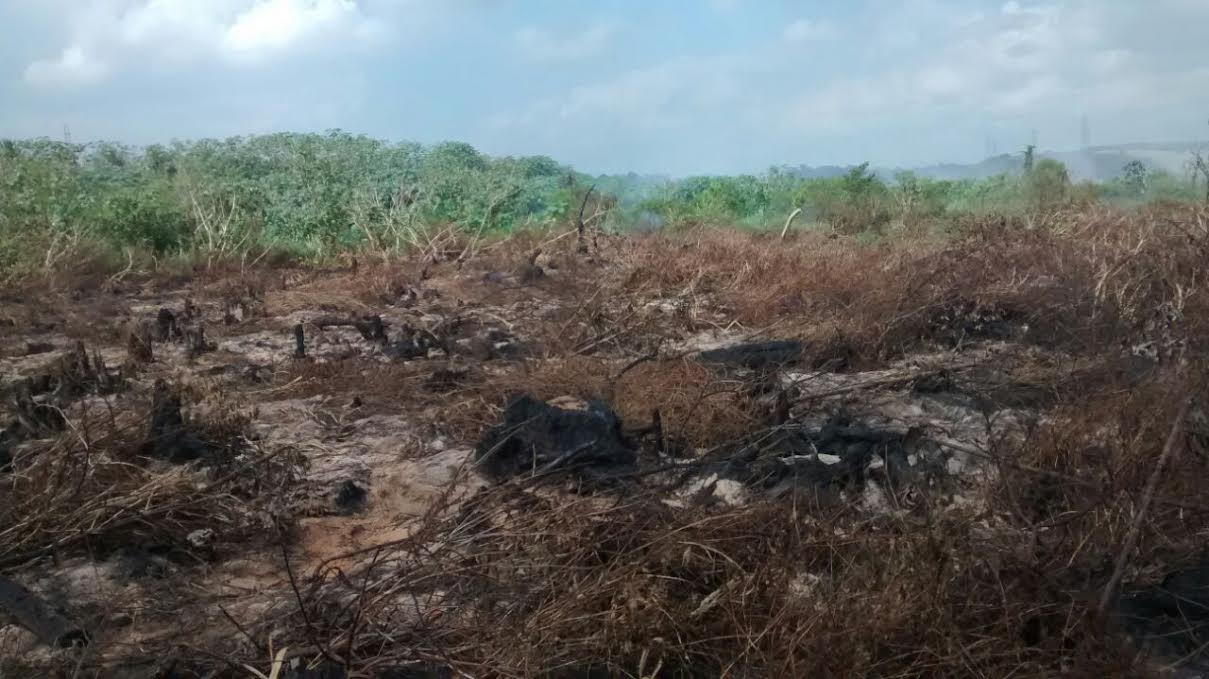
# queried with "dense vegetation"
point(861, 202)
point(315, 195)
point(312, 194)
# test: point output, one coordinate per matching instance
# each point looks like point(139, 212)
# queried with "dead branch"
point(580, 226)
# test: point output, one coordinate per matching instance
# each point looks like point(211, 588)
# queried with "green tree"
point(1133, 176)
point(861, 203)
point(859, 182)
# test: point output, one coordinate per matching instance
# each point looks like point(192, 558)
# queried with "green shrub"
point(1048, 184)
point(141, 219)
point(311, 193)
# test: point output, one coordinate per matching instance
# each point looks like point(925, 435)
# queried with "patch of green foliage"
point(1139, 184)
point(310, 193)
point(861, 202)
point(315, 195)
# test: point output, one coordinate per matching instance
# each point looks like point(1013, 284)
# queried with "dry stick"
point(252, 640)
point(1131, 538)
point(582, 246)
point(558, 461)
point(553, 240)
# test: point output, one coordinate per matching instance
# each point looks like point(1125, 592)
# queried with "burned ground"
point(702, 454)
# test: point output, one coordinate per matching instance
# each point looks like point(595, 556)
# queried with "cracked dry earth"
point(345, 447)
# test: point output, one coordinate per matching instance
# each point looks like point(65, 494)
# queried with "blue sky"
point(674, 86)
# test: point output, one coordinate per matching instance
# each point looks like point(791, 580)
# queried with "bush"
point(1048, 185)
point(142, 219)
point(314, 193)
point(855, 203)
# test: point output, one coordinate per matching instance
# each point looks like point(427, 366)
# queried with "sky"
point(670, 86)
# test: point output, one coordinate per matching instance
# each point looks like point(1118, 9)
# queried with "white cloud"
point(118, 34)
point(276, 25)
point(541, 44)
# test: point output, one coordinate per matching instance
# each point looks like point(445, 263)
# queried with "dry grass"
point(1090, 281)
point(526, 579)
point(519, 583)
point(93, 488)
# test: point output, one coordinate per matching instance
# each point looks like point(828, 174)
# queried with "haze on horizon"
point(712, 86)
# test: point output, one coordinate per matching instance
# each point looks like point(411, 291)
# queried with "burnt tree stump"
point(168, 438)
point(195, 341)
point(139, 345)
point(166, 325)
point(299, 341)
